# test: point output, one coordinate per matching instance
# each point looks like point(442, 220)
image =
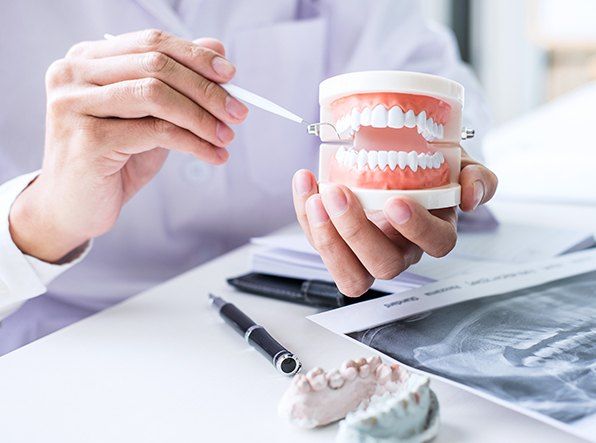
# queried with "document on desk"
point(521, 335)
point(291, 255)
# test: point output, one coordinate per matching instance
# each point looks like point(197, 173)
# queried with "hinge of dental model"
point(467, 133)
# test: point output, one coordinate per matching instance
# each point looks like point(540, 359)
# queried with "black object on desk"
point(256, 335)
point(306, 292)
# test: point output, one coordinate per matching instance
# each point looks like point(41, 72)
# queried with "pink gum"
point(436, 109)
point(387, 179)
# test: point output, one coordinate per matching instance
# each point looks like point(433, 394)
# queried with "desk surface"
point(162, 366)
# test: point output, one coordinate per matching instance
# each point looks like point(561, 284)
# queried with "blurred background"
point(537, 62)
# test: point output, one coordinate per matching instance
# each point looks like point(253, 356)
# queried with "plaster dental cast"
point(124, 163)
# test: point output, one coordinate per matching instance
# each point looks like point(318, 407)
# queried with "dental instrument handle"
point(261, 102)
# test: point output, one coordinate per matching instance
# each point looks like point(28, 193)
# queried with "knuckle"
point(78, 50)
point(351, 231)
point(162, 126)
point(155, 62)
point(153, 38)
point(59, 72)
point(210, 90)
point(60, 103)
point(323, 243)
point(446, 246)
point(149, 89)
point(387, 271)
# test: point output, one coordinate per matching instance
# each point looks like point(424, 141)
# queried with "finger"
point(412, 253)
point(127, 137)
point(381, 257)
point(434, 232)
point(478, 183)
point(304, 184)
point(152, 97)
point(350, 276)
point(203, 60)
point(204, 92)
point(211, 43)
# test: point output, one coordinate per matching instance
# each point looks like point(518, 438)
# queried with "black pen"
point(256, 335)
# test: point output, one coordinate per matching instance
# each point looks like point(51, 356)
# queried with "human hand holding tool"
point(114, 109)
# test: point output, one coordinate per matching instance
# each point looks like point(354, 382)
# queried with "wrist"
point(36, 231)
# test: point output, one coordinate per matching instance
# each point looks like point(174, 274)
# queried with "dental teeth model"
point(393, 418)
point(368, 390)
point(401, 134)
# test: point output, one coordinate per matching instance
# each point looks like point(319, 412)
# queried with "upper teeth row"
point(380, 117)
point(392, 159)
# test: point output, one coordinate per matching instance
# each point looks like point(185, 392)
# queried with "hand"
point(114, 109)
point(358, 247)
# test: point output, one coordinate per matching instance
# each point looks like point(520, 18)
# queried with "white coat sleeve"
point(393, 34)
point(21, 276)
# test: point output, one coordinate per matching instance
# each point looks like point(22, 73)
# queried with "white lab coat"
point(192, 212)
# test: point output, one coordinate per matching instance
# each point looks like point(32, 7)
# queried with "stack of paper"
point(290, 255)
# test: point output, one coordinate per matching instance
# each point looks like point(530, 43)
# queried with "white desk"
point(163, 367)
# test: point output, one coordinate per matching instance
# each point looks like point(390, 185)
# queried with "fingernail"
point(236, 109)
point(224, 133)
point(223, 67)
point(315, 211)
point(222, 153)
point(335, 200)
point(478, 193)
point(398, 211)
point(302, 183)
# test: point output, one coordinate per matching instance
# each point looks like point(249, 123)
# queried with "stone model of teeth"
point(319, 398)
point(401, 131)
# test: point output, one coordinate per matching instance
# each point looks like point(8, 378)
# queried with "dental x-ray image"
point(535, 347)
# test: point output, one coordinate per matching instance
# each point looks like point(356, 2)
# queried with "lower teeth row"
point(391, 159)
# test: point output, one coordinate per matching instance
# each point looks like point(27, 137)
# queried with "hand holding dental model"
point(401, 158)
point(115, 108)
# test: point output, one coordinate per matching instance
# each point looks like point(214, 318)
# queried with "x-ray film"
point(535, 347)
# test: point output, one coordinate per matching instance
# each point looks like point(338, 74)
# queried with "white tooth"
point(422, 161)
point(382, 159)
point(436, 160)
point(383, 373)
point(362, 159)
point(378, 118)
point(302, 383)
point(441, 131)
point(340, 154)
point(436, 130)
point(413, 161)
point(402, 159)
point(316, 378)
point(395, 118)
point(429, 129)
point(374, 361)
point(410, 119)
point(421, 122)
point(441, 158)
point(372, 159)
point(365, 117)
point(364, 370)
point(427, 135)
point(392, 159)
point(355, 119)
point(335, 380)
point(350, 158)
point(348, 370)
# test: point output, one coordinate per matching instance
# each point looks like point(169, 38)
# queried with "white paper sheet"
point(490, 281)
